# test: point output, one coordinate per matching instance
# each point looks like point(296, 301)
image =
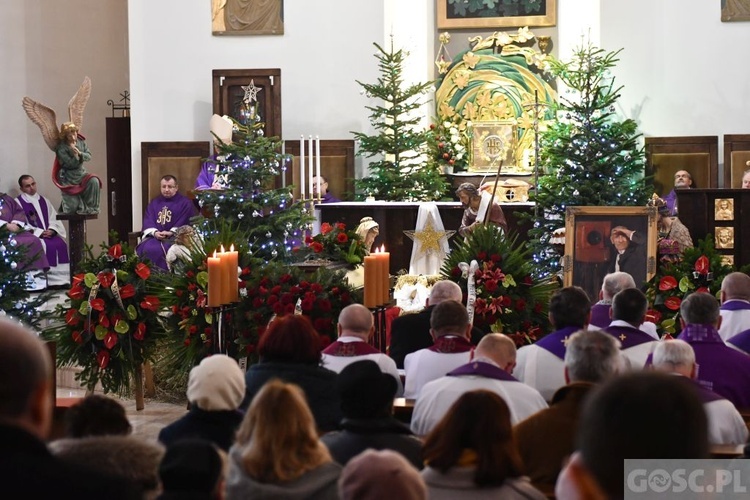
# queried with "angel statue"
point(80, 190)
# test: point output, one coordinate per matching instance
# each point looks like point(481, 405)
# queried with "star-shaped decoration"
point(429, 237)
point(251, 92)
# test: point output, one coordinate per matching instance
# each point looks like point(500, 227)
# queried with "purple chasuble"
point(164, 214)
point(349, 349)
point(483, 369)
point(55, 248)
point(448, 344)
point(600, 314)
point(329, 198)
point(707, 396)
point(735, 305)
point(11, 211)
point(629, 336)
point(556, 341)
point(671, 200)
point(741, 340)
point(723, 370)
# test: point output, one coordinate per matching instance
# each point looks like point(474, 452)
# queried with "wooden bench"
point(403, 409)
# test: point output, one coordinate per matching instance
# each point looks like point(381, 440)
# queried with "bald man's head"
point(355, 320)
point(25, 379)
point(445, 290)
point(499, 348)
point(736, 286)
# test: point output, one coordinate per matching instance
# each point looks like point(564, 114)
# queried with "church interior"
point(161, 72)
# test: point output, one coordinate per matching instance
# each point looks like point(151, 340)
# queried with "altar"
point(396, 217)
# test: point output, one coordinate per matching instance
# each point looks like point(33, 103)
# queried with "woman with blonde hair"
point(277, 453)
point(471, 454)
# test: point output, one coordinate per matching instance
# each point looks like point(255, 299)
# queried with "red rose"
point(140, 331)
point(127, 291)
point(110, 340)
point(490, 285)
point(106, 279)
point(325, 228)
point(284, 278)
point(115, 251)
point(97, 304)
point(308, 240)
point(287, 298)
point(481, 255)
point(193, 329)
point(276, 290)
point(289, 308)
point(178, 292)
point(258, 302)
point(278, 308)
point(496, 257)
point(192, 287)
point(316, 288)
point(324, 305)
point(102, 357)
point(316, 247)
point(272, 299)
point(190, 275)
point(143, 271)
point(150, 303)
point(341, 226)
point(342, 238)
point(307, 305)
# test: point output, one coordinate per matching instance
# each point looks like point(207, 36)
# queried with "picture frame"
point(455, 14)
point(492, 142)
point(735, 10)
point(247, 17)
point(590, 245)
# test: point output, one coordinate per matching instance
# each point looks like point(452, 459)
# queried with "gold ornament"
point(429, 237)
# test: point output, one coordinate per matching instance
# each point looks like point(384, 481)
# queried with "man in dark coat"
point(629, 254)
point(27, 469)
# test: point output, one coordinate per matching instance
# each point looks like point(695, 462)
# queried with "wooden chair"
point(699, 155)
point(336, 165)
point(736, 156)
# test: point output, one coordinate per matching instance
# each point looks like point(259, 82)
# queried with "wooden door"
point(228, 94)
point(119, 176)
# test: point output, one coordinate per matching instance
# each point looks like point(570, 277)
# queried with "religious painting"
point(724, 237)
point(602, 240)
point(492, 144)
point(735, 10)
point(247, 17)
point(452, 14)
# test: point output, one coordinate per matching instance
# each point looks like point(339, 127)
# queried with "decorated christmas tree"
point(251, 200)
point(14, 299)
point(589, 156)
point(403, 172)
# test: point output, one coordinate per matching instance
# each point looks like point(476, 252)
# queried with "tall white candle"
point(310, 165)
point(317, 164)
point(283, 173)
point(302, 167)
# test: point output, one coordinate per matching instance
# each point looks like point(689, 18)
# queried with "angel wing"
point(78, 102)
point(45, 119)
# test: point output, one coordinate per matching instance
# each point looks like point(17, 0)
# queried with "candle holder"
point(222, 331)
point(379, 340)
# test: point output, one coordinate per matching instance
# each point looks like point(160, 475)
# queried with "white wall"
point(326, 46)
point(47, 47)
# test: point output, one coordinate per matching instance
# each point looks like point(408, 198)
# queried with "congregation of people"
point(488, 420)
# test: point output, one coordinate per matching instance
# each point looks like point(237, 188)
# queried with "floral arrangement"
point(448, 143)
point(508, 298)
point(109, 324)
point(336, 243)
point(699, 270)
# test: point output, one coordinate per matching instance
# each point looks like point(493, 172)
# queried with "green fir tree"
point(402, 173)
point(15, 301)
point(589, 156)
point(252, 202)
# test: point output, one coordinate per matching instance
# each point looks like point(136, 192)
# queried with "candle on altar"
point(317, 166)
point(232, 258)
point(310, 165)
point(384, 263)
point(372, 281)
point(302, 167)
point(214, 281)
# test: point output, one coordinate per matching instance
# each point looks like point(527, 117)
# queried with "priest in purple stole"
point(723, 369)
point(735, 305)
point(628, 313)
point(13, 218)
point(541, 365)
point(164, 214)
point(43, 217)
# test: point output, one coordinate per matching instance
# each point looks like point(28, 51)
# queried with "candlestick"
point(317, 165)
point(310, 165)
point(214, 281)
point(302, 167)
point(384, 260)
point(233, 259)
point(372, 282)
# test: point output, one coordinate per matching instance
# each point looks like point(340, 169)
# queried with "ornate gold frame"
point(444, 22)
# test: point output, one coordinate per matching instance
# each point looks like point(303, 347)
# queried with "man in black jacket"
point(411, 332)
point(27, 469)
